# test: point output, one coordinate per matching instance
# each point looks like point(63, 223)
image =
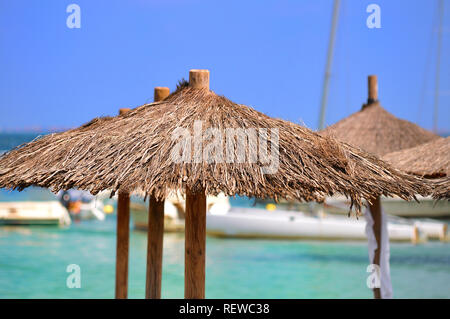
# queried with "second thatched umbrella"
point(430, 160)
point(377, 131)
point(202, 144)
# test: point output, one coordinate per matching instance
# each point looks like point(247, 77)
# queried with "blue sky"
point(266, 54)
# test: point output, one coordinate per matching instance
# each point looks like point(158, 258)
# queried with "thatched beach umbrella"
point(377, 131)
point(430, 160)
point(200, 143)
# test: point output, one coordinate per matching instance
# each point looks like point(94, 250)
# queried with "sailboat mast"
point(326, 80)
point(438, 62)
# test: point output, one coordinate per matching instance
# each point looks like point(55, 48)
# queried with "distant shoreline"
point(34, 131)
point(59, 130)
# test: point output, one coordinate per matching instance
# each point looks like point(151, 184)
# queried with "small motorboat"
point(82, 205)
point(433, 229)
point(32, 206)
point(426, 208)
point(222, 220)
point(277, 224)
point(429, 228)
point(33, 213)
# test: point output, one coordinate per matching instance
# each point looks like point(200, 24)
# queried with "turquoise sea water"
point(33, 262)
point(11, 140)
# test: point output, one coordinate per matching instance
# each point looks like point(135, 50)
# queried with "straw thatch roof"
point(430, 160)
point(377, 131)
point(132, 152)
point(441, 188)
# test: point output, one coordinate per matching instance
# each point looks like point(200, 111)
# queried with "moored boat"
point(32, 206)
point(260, 223)
point(33, 213)
point(433, 229)
point(81, 205)
point(222, 220)
point(426, 208)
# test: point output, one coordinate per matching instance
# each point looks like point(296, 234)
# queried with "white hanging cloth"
point(385, 274)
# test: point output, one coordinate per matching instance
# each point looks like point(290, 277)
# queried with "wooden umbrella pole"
point(195, 245)
point(155, 232)
point(122, 240)
point(375, 207)
point(375, 211)
point(195, 222)
point(154, 249)
point(123, 232)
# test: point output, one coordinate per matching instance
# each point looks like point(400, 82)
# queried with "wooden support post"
point(122, 240)
point(155, 232)
point(122, 244)
point(375, 211)
point(154, 249)
point(195, 246)
point(195, 222)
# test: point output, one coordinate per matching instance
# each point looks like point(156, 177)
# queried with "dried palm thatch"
point(430, 160)
point(441, 188)
point(132, 152)
point(377, 131)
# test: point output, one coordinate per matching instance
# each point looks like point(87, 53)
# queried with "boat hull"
point(260, 223)
point(33, 213)
point(257, 223)
point(18, 222)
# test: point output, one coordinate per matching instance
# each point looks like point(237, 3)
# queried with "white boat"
point(427, 207)
point(32, 206)
point(222, 220)
point(261, 223)
point(81, 205)
point(33, 213)
point(433, 229)
point(93, 210)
